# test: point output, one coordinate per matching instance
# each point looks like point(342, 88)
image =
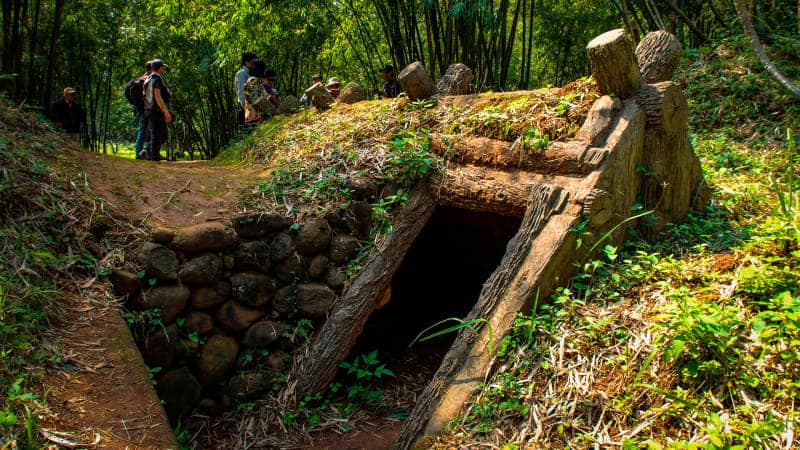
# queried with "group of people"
point(150, 95)
point(259, 100)
point(255, 89)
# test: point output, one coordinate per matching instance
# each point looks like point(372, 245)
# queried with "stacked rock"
point(221, 307)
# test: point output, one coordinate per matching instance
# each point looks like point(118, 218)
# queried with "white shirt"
point(239, 80)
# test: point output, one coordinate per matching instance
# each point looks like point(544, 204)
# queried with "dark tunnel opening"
point(441, 277)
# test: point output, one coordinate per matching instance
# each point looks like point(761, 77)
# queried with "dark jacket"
point(70, 116)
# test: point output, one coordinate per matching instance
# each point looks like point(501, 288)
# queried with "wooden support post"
point(456, 80)
point(352, 93)
point(482, 189)
point(614, 65)
point(658, 54)
point(563, 158)
point(317, 365)
point(416, 82)
point(665, 106)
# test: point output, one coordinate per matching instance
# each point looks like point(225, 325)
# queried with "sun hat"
point(333, 81)
point(316, 76)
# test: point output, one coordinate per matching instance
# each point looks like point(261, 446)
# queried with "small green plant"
point(381, 211)
point(367, 369)
point(703, 339)
point(7, 418)
point(787, 188)
point(300, 330)
point(534, 139)
point(183, 435)
point(424, 103)
point(410, 159)
point(644, 170)
point(426, 335)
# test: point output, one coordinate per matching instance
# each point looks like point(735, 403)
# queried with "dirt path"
point(99, 389)
point(167, 193)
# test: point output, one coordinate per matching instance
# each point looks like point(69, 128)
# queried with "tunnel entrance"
point(441, 277)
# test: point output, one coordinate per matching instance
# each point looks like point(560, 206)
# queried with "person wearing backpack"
point(134, 92)
point(156, 99)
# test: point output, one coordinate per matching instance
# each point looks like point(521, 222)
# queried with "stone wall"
point(219, 307)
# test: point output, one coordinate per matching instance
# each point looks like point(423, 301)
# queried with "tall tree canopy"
point(510, 44)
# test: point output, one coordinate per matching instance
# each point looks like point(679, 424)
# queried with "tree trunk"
point(695, 30)
point(747, 24)
point(18, 48)
point(317, 365)
point(6, 8)
point(623, 12)
point(52, 57)
point(31, 89)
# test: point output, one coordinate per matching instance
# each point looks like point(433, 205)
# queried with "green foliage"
point(410, 159)
point(703, 339)
point(367, 370)
point(533, 139)
point(382, 210)
point(503, 398)
point(341, 399)
point(428, 333)
point(300, 331)
point(42, 243)
point(787, 187)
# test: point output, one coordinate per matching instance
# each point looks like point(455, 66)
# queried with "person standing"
point(142, 146)
point(157, 95)
point(391, 87)
point(68, 115)
point(240, 79)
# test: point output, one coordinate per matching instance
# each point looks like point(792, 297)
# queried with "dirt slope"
point(100, 391)
point(165, 193)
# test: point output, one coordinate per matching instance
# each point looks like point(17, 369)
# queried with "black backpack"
point(134, 92)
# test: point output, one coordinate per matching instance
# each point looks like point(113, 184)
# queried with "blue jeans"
point(142, 133)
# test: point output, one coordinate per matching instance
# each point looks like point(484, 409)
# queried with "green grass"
point(691, 339)
point(125, 150)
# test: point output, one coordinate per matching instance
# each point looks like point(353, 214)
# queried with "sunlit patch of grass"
point(690, 338)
